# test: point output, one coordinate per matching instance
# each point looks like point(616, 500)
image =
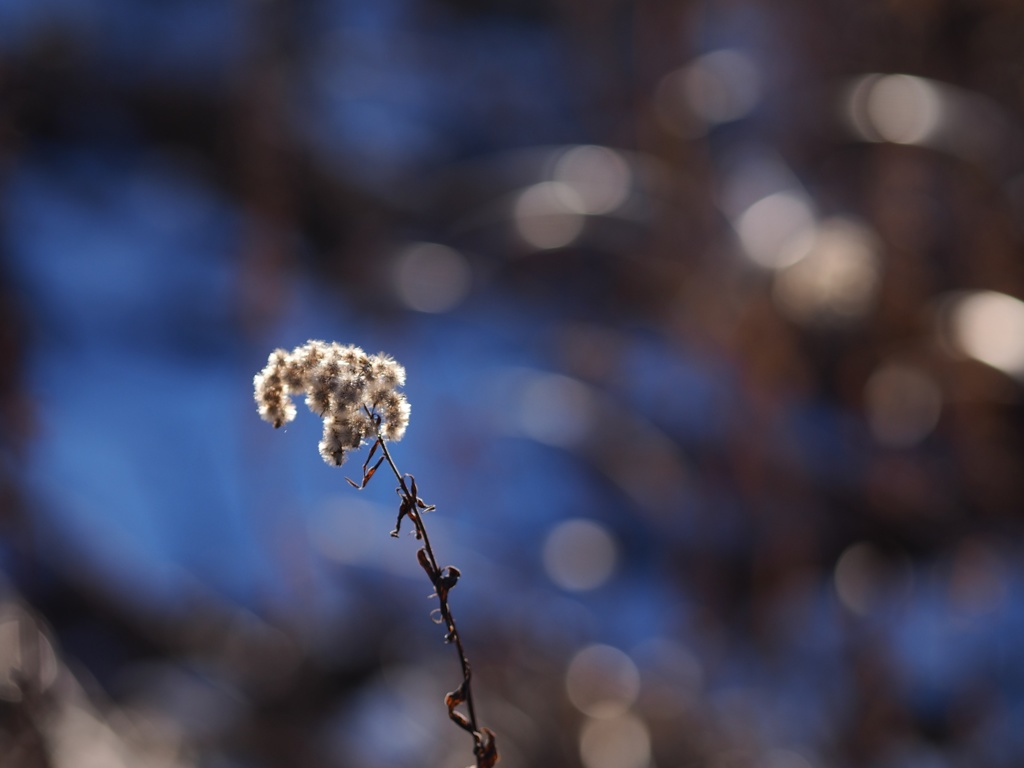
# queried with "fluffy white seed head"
point(397, 419)
point(350, 390)
point(386, 372)
point(271, 391)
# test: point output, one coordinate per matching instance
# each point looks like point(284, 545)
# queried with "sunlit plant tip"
point(351, 391)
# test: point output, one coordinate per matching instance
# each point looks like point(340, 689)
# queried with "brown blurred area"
point(758, 264)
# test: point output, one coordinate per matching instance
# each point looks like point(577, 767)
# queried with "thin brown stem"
point(412, 507)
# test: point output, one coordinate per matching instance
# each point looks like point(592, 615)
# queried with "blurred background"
point(711, 315)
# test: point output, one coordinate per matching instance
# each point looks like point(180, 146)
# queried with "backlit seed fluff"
point(272, 392)
point(341, 384)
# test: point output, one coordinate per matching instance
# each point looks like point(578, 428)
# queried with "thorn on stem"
point(368, 473)
point(403, 510)
point(486, 750)
point(424, 561)
point(452, 700)
point(446, 579)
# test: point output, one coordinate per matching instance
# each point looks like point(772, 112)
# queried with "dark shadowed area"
point(713, 324)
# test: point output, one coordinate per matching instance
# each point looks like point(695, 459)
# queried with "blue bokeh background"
point(804, 571)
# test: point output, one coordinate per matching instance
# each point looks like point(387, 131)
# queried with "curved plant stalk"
point(357, 397)
point(443, 579)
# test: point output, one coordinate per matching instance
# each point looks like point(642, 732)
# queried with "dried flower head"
point(353, 392)
point(356, 395)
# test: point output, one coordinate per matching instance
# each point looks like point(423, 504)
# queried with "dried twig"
point(356, 395)
point(443, 579)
